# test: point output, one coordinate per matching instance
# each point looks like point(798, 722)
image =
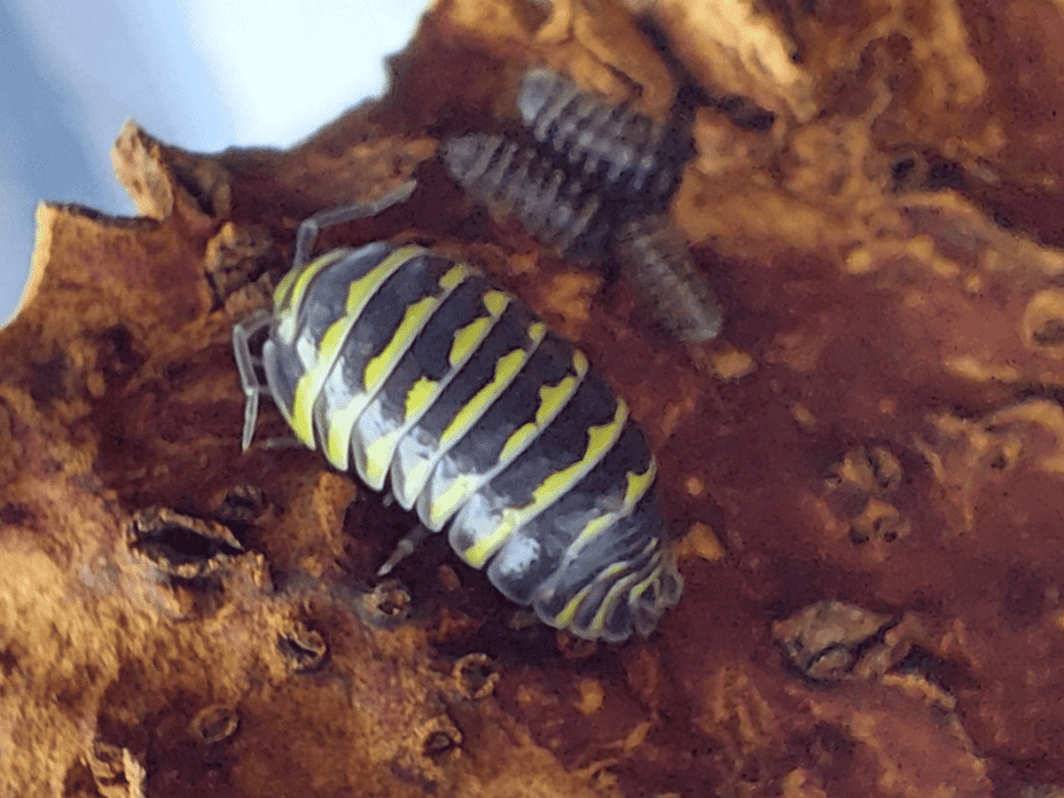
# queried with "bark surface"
point(865, 470)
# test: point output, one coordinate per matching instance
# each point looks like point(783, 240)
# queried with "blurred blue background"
point(201, 74)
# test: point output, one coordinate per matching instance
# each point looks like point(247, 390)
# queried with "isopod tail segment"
point(655, 260)
point(409, 369)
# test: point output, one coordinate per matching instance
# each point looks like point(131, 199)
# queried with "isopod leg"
point(309, 229)
point(406, 546)
point(243, 332)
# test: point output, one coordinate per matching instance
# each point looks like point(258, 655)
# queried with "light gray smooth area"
point(201, 74)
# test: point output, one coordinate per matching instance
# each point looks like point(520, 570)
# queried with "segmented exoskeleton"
point(516, 180)
point(655, 260)
point(594, 187)
point(409, 368)
point(627, 152)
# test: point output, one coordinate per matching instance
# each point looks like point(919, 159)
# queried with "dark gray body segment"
point(655, 260)
point(515, 180)
point(624, 152)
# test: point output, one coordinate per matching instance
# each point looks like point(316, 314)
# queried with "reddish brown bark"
point(878, 432)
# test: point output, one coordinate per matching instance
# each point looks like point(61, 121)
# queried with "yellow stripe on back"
point(308, 388)
point(360, 290)
point(552, 397)
point(506, 369)
point(624, 586)
point(565, 617)
point(639, 484)
point(660, 564)
point(342, 422)
point(379, 457)
point(424, 392)
point(636, 487)
point(518, 440)
point(469, 337)
point(600, 441)
point(281, 291)
point(414, 319)
point(419, 396)
point(496, 302)
point(552, 400)
point(288, 294)
point(444, 504)
point(380, 452)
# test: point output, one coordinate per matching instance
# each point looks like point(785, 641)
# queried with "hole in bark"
point(304, 648)
point(180, 545)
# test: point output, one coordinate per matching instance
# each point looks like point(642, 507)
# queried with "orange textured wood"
point(865, 471)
